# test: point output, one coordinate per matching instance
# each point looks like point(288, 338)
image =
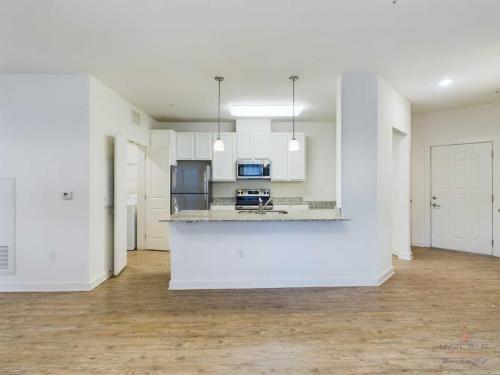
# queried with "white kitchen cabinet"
point(251, 146)
point(203, 146)
point(262, 146)
point(245, 146)
point(165, 139)
point(224, 162)
point(297, 160)
point(194, 146)
point(279, 156)
point(185, 146)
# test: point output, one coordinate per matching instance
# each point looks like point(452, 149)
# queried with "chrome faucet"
point(262, 205)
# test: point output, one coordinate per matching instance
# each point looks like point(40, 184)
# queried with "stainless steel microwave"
point(253, 169)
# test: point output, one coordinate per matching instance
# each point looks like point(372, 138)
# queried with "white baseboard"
point(44, 287)
point(279, 283)
point(54, 287)
point(385, 276)
point(100, 279)
point(407, 256)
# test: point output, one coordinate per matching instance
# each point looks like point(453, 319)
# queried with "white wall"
point(394, 114)
point(109, 114)
point(132, 168)
point(471, 124)
point(44, 139)
point(321, 158)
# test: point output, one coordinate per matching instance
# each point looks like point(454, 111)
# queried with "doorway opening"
point(461, 197)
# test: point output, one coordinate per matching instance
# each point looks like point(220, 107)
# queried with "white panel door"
point(185, 146)
point(461, 197)
point(245, 146)
point(279, 156)
point(7, 226)
point(224, 162)
point(297, 160)
point(157, 198)
point(262, 146)
point(203, 146)
point(120, 205)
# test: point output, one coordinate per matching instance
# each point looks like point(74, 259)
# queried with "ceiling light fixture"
point(218, 144)
point(445, 82)
point(293, 145)
point(264, 110)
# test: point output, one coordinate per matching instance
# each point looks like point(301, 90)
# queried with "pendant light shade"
point(293, 144)
point(218, 144)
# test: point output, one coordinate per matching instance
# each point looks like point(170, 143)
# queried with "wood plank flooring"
point(440, 313)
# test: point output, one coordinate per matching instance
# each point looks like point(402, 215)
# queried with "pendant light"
point(218, 144)
point(293, 144)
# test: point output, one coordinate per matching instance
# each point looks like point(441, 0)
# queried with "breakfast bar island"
point(300, 248)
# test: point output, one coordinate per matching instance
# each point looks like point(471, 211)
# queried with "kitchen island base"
point(269, 254)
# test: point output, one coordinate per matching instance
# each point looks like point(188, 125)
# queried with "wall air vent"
point(4, 258)
point(136, 118)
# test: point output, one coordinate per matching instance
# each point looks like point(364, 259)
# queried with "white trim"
point(279, 283)
point(385, 276)
point(44, 287)
point(99, 280)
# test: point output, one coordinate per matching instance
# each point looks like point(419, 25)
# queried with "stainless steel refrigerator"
point(190, 186)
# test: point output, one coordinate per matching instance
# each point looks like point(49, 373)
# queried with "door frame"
point(428, 181)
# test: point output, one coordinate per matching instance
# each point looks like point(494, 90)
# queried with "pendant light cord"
point(293, 108)
point(293, 78)
point(218, 116)
point(218, 79)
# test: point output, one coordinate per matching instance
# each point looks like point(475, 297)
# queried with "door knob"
point(435, 205)
point(434, 197)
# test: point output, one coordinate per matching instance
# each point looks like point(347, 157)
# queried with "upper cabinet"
point(203, 146)
point(297, 160)
point(224, 162)
point(251, 146)
point(165, 139)
point(194, 146)
point(287, 165)
point(279, 157)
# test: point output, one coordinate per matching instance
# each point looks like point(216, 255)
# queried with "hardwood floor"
point(440, 313)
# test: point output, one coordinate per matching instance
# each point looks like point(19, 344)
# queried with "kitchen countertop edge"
point(201, 216)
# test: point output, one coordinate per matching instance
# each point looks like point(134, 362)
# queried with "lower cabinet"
point(224, 162)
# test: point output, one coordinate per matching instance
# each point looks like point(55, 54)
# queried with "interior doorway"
point(462, 197)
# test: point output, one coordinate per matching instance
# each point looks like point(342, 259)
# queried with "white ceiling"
point(162, 55)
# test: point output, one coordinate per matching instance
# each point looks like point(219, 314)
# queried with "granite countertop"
point(193, 216)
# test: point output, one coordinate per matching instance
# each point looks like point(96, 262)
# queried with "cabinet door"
point(245, 146)
point(224, 162)
point(262, 146)
point(185, 146)
point(297, 160)
point(203, 146)
point(279, 156)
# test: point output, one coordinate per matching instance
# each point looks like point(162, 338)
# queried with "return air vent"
point(136, 117)
point(4, 259)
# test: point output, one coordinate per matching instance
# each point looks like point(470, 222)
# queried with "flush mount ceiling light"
point(218, 144)
point(445, 82)
point(293, 145)
point(264, 110)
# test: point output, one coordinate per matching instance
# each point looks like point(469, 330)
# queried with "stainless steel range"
point(253, 199)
